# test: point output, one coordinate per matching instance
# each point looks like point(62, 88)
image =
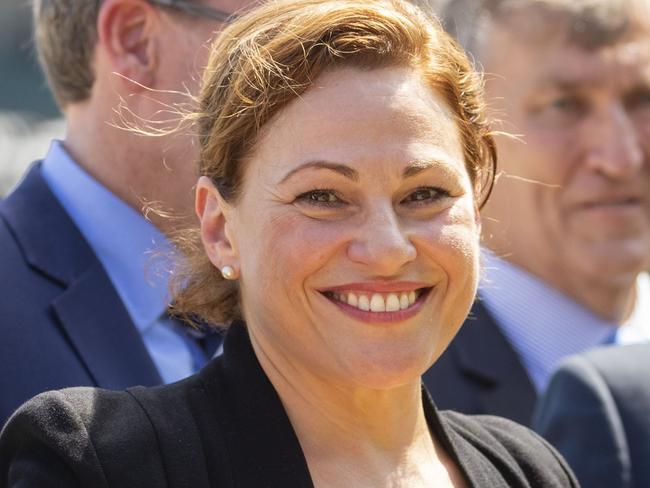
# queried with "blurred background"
point(28, 115)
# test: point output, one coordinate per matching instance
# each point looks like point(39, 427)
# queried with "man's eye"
point(568, 104)
point(640, 99)
point(423, 196)
point(327, 198)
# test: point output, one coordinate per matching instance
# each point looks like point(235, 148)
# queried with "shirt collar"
point(134, 253)
point(637, 327)
point(543, 324)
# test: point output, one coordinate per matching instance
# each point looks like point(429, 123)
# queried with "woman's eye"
point(327, 198)
point(424, 196)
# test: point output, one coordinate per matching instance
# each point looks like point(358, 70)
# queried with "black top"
point(225, 427)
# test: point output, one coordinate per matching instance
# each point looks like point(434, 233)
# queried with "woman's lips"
point(375, 306)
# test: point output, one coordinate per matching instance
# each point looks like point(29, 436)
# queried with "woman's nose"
point(382, 243)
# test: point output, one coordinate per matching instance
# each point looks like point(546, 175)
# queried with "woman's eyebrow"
point(416, 167)
point(342, 169)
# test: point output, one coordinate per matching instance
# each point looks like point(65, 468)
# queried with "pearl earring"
point(228, 272)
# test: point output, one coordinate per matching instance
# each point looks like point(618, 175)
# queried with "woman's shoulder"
point(96, 437)
point(520, 456)
point(72, 414)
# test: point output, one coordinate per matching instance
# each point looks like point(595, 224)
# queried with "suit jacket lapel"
point(47, 236)
point(90, 312)
point(100, 329)
point(485, 356)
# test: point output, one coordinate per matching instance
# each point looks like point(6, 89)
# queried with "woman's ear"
point(213, 213)
point(124, 29)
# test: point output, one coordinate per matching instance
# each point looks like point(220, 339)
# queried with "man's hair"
point(65, 33)
point(588, 24)
point(269, 58)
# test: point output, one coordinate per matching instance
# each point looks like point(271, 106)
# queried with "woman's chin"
point(383, 381)
point(384, 373)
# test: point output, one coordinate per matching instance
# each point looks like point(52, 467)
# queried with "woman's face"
point(356, 234)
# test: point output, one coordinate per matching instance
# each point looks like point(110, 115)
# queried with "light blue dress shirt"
point(134, 253)
point(544, 326)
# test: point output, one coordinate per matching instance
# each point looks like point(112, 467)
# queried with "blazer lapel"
point(101, 331)
point(90, 312)
point(486, 357)
point(254, 430)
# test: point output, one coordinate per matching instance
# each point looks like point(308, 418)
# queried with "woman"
point(344, 158)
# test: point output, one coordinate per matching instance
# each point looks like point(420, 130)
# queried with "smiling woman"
point(353, 212)
point(345, 156)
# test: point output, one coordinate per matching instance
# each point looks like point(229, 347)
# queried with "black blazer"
point(225, 427)
point(480, 373)
point(596, 411)
point(62, 323)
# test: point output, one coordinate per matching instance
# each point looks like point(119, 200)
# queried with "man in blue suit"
point(596, 411)
point(567, 228)
point(84, 277)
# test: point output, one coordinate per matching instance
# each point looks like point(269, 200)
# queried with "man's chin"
point(617, 262)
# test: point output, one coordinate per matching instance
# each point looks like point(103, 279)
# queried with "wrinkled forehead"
point(570, 45)
point(587, 24)
point(622, 66)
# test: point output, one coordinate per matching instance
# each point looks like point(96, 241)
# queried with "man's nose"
point(615, 150)
point(382, 243)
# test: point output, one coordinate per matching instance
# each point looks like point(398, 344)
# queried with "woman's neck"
point(353, 436)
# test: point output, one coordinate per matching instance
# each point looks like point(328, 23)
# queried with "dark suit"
point(480, 373)
point(597, 413)
point(62, 323)
point(226, 427)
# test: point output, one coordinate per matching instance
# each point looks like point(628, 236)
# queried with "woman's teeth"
point(378, 302)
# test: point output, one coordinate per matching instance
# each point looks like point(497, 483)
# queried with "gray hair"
point(65, 33)
point(587, 23)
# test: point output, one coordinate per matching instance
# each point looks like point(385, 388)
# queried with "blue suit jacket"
point(62, 323)
point(480, 373)
point(596, 411)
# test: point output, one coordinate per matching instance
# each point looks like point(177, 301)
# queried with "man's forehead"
point(625, 64)
point(590, 24)
point(542, 32)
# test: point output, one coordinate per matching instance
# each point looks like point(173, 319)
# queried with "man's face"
point(573, 203)
point(185, 45)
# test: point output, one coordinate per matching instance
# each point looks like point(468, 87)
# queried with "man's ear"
point(124, 30)
point(213, 213)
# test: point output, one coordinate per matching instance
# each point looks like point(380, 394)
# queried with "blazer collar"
point(257, 445)
point(89, 310)
point(257, 434)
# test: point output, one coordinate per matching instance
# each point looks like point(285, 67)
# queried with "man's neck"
point(609, 299)
point(129, 165)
